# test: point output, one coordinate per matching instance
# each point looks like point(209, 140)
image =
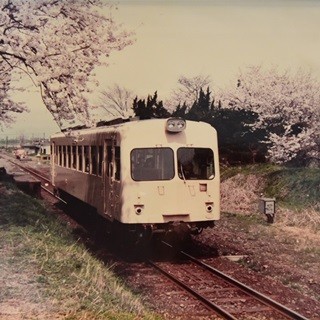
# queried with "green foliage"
point(296, 186)
point(67, 278)
point(202, 108)
point(238, 143)
point(180, 111)
point(150, 109)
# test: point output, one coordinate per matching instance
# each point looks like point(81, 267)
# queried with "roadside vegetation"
point(47, 273)
point(296, 190)
point(288, 249)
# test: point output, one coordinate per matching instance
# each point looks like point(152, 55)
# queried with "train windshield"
point(152, 164)
point(195, 164)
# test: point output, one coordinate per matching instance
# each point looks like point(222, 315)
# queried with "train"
point(146, 177)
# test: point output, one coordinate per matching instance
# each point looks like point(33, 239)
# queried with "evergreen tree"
point(180, 111)
point(202, 107)
point(151, 109)
point(237, 142)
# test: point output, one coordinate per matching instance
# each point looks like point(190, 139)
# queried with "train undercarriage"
point(130, 235)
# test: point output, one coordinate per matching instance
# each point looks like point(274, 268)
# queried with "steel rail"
point(251, 292)
point(255, 294)
point(31, 171)
point(220, 311)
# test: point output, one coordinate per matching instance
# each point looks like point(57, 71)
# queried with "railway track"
point(42, 176)
point(216, 291)
point(220, 293)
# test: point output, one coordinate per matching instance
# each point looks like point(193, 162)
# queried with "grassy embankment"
point(296, 190)
point(291, 245)
point(46, 272)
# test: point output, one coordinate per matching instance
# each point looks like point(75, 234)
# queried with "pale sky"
point(215, 38)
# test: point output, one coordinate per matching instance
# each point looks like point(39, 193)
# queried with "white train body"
point(140, 173)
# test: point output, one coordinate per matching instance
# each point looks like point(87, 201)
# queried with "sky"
point(217, 38)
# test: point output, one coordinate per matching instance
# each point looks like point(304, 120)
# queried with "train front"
point(170, 181)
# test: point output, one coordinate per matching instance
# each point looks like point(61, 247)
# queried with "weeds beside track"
point(46, 273)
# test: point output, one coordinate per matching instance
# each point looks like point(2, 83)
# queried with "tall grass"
point(296, 190)
point(299, 187)
point(290, 246)
point(62, 274)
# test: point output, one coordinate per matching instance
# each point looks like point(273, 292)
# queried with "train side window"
point(68, 164)
point(60, 155)
point(93, 159)
point(80, 159)
point(65, 164)
point(100, 160)
point(64, 156)
point(74, 157)
point(86, 159)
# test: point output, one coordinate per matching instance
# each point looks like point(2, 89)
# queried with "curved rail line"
point(254, 301)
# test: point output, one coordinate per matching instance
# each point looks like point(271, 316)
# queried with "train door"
point(112, 178)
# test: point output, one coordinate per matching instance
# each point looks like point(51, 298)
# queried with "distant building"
point(45, 149)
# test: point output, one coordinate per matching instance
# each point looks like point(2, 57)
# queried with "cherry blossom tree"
point(117, 101)
point(58, 44)
point(7, 105)
point(187, 91)
point(288, 105)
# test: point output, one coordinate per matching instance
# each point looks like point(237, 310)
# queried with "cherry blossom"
point(187, 91)
point(116, 101)
point(288, 105)
point(57, 44)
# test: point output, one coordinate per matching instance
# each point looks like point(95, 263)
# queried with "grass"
point(294, 187)
point(39, 255)
point(291, 244)
point(296, 190)
point(297, 187)
point(230, 171)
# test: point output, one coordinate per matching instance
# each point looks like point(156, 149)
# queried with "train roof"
point(148, 124)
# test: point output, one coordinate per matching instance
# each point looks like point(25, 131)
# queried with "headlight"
point(175, 125)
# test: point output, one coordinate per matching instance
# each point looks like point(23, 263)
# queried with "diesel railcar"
point(144, 176)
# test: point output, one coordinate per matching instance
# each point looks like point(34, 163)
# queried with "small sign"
point(267, 206)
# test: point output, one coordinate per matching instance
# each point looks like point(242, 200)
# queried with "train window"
point(59, 155)
point(74, 157)
point(64, 155)
point(68, 164)
point(94, 159)
point(86, 159)
point(195, 163)
point(80, 157)
point(100, 160)
point(149, 164)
